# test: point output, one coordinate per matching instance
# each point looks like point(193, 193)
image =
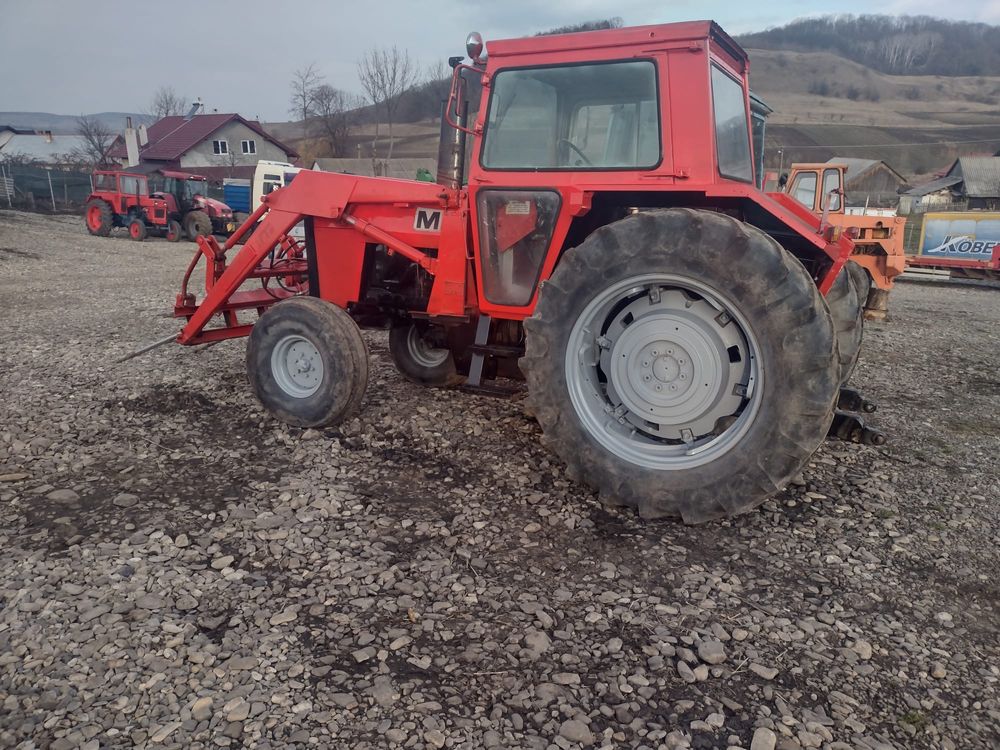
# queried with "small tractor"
point(878, 240)
point(684, 336)
point(177, 204)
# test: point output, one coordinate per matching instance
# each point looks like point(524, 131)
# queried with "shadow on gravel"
point(6, 252)
point(168, 474)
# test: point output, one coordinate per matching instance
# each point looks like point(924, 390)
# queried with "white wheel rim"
point(423, 353)
point(664, 372)
point(297, 366)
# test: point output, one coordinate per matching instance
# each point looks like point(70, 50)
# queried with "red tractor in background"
point(176, 203)
point(684, 336)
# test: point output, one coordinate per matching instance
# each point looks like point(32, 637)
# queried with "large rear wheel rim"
point(94, 218)
point(297, 366)
point(664, 371)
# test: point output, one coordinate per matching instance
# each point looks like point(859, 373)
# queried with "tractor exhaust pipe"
point(451, 148)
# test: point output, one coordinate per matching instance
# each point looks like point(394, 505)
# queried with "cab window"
point(105, 182)
point(132, 185)
point(732, 136)
point(804, 189)
point(831, 181)
point(579, 117)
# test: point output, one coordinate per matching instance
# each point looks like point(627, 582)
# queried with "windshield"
point(593, 116)
point(192, 188)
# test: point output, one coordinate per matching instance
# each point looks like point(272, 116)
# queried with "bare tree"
point(385, 75)
point(437, 80)
point(96, 140)
point(305, 82)
point(334, 115)
point(166, 103)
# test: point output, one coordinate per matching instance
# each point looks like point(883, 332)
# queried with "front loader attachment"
point(270, 255)
point(280, 262)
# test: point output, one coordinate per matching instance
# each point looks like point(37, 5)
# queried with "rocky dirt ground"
point(177, 569)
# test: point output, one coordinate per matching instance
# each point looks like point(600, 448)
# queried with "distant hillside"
point(825, 105)
point(903, 45)
point(67, 123)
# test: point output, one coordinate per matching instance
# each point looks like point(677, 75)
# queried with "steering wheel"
point(576, 148)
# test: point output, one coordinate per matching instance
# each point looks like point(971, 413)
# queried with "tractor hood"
point(213, 206)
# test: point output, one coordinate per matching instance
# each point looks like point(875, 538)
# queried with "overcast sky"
point(85, 56)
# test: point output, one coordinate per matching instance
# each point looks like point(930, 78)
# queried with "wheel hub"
point(297, 366)
point(422, 352)
point(661, 371)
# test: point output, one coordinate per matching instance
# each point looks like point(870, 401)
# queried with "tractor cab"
point(818, 187)
point(185, 189)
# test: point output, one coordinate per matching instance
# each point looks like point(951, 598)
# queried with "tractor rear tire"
point(197, 224)
point(307, 362)
point(418, 359)
point(848, 312)
point(137, 230)
point(676, 315)
point(98, 217)
point(174, 231)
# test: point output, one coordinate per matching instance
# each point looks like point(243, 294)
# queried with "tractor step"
point(491, 389)
point(498, 350)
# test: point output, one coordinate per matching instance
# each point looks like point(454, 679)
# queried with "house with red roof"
point(214, 145)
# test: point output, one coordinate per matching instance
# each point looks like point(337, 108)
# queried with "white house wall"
point(203, 154)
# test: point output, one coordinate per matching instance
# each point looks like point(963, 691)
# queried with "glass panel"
point(831, 181)
point(603, 115)
point(759, 125)
point(132, 185)
point(804, 189)
point(515, 227)
point(732, 139)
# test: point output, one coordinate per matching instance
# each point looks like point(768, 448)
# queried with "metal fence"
point(39, 188)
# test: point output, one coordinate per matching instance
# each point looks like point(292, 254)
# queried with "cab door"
point(549, 132)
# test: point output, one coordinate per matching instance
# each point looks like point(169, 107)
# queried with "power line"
point(892, 145)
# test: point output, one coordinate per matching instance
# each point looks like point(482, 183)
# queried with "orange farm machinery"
point(878, 240)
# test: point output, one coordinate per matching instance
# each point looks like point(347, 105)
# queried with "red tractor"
point(609, 243)
point(177, 204)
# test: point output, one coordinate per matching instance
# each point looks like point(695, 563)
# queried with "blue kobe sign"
point(960, 236)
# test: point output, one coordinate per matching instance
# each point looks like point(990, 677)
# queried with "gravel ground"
point(177, 569)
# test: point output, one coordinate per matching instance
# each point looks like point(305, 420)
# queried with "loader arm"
point(312, 195)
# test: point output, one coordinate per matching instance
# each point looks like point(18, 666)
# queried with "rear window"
point(732, 137)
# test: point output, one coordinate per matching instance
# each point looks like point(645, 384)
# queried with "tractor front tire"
point(307, 362)
point(681, 363)
point(418, 359)
point(174, 231)
point(197, 224)
point(98, 217)
point(848, 311)
point(137, 230)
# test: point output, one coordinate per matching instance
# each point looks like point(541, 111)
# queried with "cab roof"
point(632, 36)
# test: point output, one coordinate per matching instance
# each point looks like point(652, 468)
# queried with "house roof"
point(44, 148)
point(981, 175)
point(934, 185)
point(858, 167)
point(172, 137)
